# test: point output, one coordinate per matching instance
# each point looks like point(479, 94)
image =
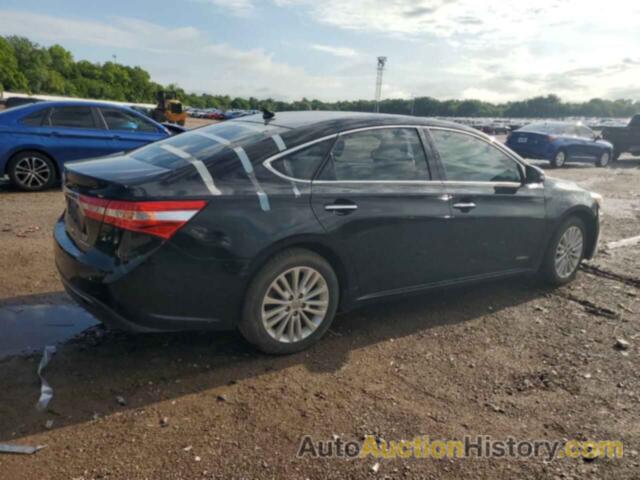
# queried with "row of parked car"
point(37, 139)
point(217, 114)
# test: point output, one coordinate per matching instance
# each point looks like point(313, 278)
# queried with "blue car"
point(36, 140)
point(559, 143)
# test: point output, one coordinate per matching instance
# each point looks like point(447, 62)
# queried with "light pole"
point(382, 61)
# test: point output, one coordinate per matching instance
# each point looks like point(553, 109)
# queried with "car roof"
point(339, 121)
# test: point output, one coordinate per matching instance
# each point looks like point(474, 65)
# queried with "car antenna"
point(267, 114)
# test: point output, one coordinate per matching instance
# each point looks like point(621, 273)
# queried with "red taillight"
point(161, 219)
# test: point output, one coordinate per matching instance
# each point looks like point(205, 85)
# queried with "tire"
point(616, 156)
point(271, 281)
point(604, 160)
point(551, 269)
point(559, 159)
point(32, 171)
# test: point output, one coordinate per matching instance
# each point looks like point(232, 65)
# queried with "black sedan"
point(271, 225)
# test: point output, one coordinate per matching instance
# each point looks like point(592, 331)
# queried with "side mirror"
point(533, 175)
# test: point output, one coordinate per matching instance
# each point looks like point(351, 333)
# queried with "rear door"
point(76, 133)
point(498, 222)
point(379, 202)
point(127, 130)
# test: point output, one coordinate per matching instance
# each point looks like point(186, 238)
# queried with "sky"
point(327, 49)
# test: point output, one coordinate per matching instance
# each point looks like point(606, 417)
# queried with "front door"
point(498, 222)
point(376, 198)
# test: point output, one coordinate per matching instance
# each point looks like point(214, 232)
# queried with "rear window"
point(36, 118)
point(205, 144)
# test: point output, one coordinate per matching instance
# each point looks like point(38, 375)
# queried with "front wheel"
point(565, 252)
point(31, 171)
point(290, 303)
point(559, 159)
point(604, 159)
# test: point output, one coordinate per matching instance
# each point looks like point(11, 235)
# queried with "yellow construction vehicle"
point(169, 108)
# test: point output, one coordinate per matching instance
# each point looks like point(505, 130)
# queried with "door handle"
point(341, 208)
point(464, 206)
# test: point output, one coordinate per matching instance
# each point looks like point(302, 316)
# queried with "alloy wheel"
point(561, 157)
point(569, 252)
point(295, 304)
point(604, 159)
point(33, 172)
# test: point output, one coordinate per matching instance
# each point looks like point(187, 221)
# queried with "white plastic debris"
point(20, 449)
point(46, 392)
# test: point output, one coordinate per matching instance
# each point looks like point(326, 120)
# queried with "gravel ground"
point(510, 358)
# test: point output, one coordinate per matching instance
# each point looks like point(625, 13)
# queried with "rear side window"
point(388, 154)
point(468, 159)
point(35, 119)
point(304, 163)
point(121, 120)
point(73, 117)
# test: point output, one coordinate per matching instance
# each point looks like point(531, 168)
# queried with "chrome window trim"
point(267, 163)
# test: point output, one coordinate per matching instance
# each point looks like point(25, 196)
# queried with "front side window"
point(73, 117)
point(468, 159)
point(121, 120)
point(584, 132)
point(303, 164)
point(388, 154)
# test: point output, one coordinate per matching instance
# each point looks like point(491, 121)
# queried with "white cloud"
point(345, 52)
point(235, 7)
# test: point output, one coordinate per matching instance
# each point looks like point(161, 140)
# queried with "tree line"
point(30, 68)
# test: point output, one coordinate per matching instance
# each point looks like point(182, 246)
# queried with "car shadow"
point(99, 364)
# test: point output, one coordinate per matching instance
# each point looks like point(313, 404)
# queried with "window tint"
point(383, 154)
point(73, 117)
point(469, 159)
point(121, 120)
point(36, 118)
point(304, 163)
point(207, 144)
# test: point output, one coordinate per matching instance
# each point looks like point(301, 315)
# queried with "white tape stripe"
point(249, 126)
point(176, 151)
point(248, 168)
point(246, 163)
point(279, 142)
point(213, 137)
point(200, 167)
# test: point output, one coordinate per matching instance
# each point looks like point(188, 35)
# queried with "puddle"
point(28, 328)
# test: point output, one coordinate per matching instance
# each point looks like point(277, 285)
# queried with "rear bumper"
point(147, 296)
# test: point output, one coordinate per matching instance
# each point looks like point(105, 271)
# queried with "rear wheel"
point(290, 303)
point(559, 159)
point(32, 171)
point(565, 252)
point(604, 159)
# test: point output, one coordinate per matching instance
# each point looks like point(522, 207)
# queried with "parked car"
point(560, 142)
point(624, 139)
point(36, 140)
point(272, 226)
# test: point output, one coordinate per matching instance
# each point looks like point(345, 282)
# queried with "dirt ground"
point(505, 359)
